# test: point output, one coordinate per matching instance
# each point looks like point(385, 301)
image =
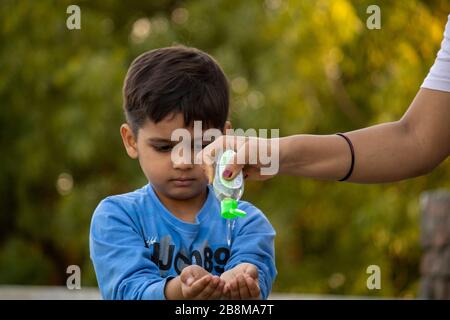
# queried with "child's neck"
point(185, 210)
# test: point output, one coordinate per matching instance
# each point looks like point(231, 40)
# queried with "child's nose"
point(183, 166)
point(184, 163)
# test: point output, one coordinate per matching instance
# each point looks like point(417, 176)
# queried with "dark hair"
point(176, 79)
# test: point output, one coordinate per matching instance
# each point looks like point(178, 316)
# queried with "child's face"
point(153, 149)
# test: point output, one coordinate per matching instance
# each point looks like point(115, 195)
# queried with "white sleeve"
point(439, 76)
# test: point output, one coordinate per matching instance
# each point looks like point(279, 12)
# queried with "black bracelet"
point(353, 156)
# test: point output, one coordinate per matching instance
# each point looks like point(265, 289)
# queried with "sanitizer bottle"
point(228, 191)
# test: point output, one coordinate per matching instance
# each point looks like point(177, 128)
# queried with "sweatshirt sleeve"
point(121, 259)
point(253, 242)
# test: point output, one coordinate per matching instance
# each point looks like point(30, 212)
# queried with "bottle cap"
point(229, 210)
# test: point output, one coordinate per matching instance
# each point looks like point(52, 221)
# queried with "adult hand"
point(253, 155)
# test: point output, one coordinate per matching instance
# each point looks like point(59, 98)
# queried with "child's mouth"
point(183, 182)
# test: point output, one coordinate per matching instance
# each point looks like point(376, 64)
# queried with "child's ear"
point(226, 127)
point(129, 141)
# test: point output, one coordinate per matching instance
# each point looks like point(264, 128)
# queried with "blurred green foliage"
point(300, 66)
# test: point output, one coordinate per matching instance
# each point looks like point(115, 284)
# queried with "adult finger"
point(207, 156)
point(246, 154)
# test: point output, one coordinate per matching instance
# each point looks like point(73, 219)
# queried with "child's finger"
point(187, 279)
point(243, 289)
point(226, 291)
point(234, 292)
point(184, 276)
point(191, 273)
point(199, 285)
point(251, 270)
point(217, 294)
point(253, 287)
point(209, 289)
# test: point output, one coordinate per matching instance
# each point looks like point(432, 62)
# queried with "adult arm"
point(388, 152)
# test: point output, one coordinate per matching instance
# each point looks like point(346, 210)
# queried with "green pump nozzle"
point(229, 210)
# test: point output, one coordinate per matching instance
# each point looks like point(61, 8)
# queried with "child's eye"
point(165, 148)
point(201, 146)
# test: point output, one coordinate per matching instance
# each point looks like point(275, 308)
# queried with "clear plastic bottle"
point(228, 192)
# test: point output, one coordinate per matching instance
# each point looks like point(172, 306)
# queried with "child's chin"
point(186, 193)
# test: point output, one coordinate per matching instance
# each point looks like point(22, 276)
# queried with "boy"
point(167, 239)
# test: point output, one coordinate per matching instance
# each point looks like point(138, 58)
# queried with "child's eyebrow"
point(170, 141)
point(159, 140)
point(167, 141)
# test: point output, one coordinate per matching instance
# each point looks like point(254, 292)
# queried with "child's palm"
point(197, 283)
point(241, 282)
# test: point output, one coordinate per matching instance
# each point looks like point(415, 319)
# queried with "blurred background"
point(300, 66)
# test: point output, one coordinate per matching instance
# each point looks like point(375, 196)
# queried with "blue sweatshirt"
point(136, 244)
